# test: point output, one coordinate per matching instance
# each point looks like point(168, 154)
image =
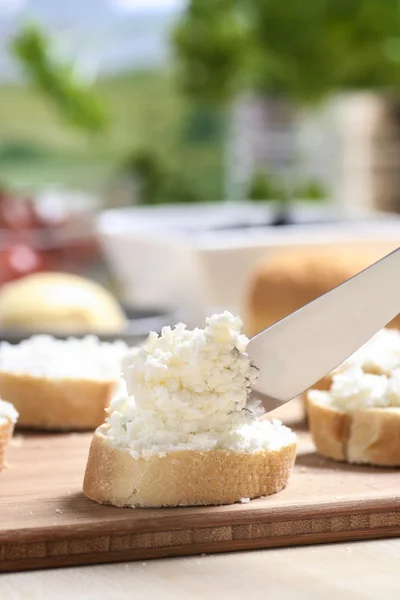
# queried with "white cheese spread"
point(356, 390)
point(189, 390)
point(73, 358)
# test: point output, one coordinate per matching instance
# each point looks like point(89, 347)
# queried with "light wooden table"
point(354, 571)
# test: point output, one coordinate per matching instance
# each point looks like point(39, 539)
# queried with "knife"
point(296, 352)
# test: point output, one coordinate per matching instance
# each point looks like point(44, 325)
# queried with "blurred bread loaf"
point(291, 278)
point(59, 302)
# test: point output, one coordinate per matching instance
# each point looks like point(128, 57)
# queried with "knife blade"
point(296, 352)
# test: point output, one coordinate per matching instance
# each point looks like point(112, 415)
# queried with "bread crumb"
point(58, 510)
point(303, 470)
point(30, 512)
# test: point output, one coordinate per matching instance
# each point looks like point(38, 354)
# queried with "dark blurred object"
point(79, 106)
point(204, 123)
point(268, 186)
point(143, 168)
point(31, 241)
point(298, 50)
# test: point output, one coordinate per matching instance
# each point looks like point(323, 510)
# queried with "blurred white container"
point(197, 258)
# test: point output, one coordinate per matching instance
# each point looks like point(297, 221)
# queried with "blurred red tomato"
point(31, 242)
point(18, 260)
point(17, 214)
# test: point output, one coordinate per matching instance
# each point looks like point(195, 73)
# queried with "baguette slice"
point(184, 477)
point(57, 404)
point(368, 436)
point(8, 417)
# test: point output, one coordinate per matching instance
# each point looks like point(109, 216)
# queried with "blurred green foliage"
point(147, 111)
point(171, 147)
point(265, 185)
point(78, 105)
point(157, 183)
point(204, 124)
point(18, 151)
point(311, 190)
point(297, 49)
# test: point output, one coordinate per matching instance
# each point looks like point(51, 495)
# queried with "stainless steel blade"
point(299, 350)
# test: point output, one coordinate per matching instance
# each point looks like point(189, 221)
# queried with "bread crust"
point(182, 477)
point(329, 429)
point(369, 436)
point(56, 404)
point(6, 431)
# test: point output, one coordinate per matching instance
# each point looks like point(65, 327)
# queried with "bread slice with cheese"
point(358, 419)
point(379, 356)
point(60, 384)
point(8, 418)
point(185, 431)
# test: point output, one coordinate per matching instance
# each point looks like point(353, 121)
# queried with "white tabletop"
point(353, 570)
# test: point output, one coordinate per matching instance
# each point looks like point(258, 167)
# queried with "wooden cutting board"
point(45, 521)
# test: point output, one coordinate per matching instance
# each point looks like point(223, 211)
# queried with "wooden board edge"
point(221, 516)
point(142, 546)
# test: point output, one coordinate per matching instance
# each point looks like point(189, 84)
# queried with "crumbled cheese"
point(393, 391)
point(190, 390)
point(73, 358)
point(7, 411)
point(354, 389)
point(380, 354)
